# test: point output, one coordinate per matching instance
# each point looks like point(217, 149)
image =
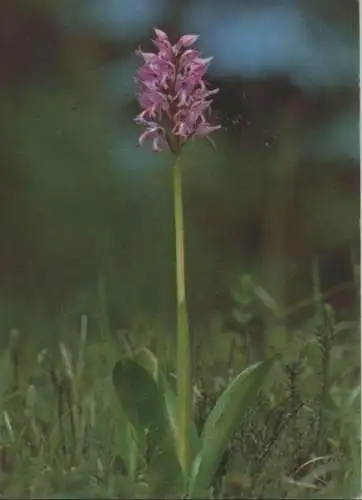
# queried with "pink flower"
point(173, 95)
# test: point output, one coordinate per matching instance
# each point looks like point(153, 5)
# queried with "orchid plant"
point(173, 92)
point(175, 101)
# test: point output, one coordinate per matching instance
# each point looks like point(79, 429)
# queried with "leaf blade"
point(149, 361)
point(223, 422)
point(143, 404)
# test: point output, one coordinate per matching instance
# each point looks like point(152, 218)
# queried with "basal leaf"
point(149, 361)
point(222, 423)
point(143, 403)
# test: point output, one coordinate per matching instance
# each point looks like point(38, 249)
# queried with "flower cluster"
point(173, 94)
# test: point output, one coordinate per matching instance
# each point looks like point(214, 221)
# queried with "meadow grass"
point(63, 434)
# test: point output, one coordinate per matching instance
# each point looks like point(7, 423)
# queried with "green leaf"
point(172, 409)
point(222, 423)
point(144, 405)
point(149, 361)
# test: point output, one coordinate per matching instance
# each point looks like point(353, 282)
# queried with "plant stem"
point(183, 340)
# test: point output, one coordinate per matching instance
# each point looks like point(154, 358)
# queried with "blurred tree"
point(78, 197)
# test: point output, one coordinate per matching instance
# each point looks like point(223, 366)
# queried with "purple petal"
point(161, 35)
point(181, 129)
point(152, 132)
point(186, 41)
point(158, 144)
point(204, 129)
point(140, 120)
point(147, 56)
point(206, 60)
point(143, 137)
point(163, 45)
point(188, 56)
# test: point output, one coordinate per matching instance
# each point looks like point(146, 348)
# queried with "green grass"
point(62, 432)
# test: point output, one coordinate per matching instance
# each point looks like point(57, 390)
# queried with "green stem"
point(183, 340)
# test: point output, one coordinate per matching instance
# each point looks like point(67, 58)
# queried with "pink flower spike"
point(173, 94)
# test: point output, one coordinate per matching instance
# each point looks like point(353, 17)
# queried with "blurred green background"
point(82, 207)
